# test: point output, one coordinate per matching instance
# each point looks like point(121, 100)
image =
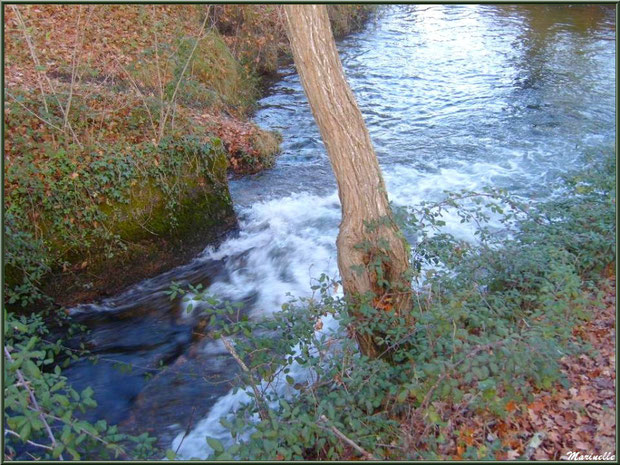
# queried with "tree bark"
point(371, 249)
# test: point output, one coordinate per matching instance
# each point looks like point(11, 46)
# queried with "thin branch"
point(33, 54)
point(74, 64)
point(37, 63)
point(28, 441)
point(158, 66)
point(262, 411)
point(33, 399)
point(350, 442)
point(187, 430)
point(162, 123)
point(88, 433)
point(143, 97)
point(34, 114)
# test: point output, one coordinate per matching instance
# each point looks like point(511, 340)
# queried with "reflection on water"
point(461, 86)
point(455, 96)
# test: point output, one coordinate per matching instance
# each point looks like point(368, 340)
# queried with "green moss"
point(188, 194)
point(216, 68)
point(213, 79)
point(118, 205)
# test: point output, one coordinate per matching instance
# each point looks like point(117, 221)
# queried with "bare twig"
point(88, 433)
point(162, 122)
point(187, 430)
point(143, 97)
point(34, 114)
point(262, 411)
point(28, 441)
point(33, 54)
point(74, 64)
point(35, 404)
point(350, 442)
point(42, 74)
point(159, 80)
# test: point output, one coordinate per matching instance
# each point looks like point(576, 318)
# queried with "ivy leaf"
point(215, 444)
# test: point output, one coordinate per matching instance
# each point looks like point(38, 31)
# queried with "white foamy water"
point(283, 244)
point(194, 444)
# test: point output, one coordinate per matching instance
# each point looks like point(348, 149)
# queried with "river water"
point(455, 97)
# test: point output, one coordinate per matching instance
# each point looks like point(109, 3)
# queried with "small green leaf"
point(32, 369)
point(24, 432)
point(58, 450)
point(433, 416)
point(215, 444)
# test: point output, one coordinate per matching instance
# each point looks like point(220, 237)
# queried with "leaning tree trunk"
point(371, 249)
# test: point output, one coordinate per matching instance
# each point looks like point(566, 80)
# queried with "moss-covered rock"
point(118, 219)
point(191, 193)
point(171, 212)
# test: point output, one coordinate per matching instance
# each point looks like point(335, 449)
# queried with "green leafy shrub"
point(42, 411)
point(493, 318)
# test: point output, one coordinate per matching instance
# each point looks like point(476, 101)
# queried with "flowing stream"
point(455, 97)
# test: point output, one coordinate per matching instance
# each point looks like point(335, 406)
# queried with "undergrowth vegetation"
point(43, 414)
point(120, 122)
point(103, 100)
point(493, 318)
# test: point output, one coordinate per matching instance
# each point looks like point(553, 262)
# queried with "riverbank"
point(123, 123)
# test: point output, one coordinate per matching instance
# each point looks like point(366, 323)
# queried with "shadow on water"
point(152, 364)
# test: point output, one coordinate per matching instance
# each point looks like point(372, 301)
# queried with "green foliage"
point(493, 318)
point(65, 204)
point(41, 409)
